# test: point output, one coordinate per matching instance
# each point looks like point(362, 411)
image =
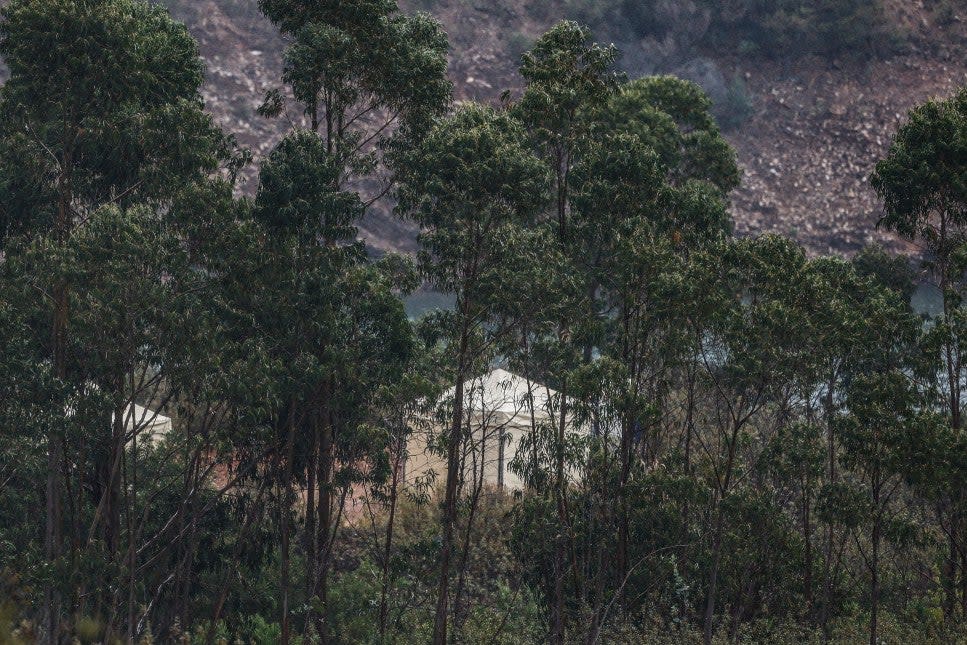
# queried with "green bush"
point(737, 107)
point(799, 27)
point(772, 28)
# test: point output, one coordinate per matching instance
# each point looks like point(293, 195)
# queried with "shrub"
point(772, 28)
point(737, 107)
point(799, 27)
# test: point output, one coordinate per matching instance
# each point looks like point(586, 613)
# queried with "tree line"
point(776, 445)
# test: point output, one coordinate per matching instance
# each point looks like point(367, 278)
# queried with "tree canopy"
point(218, 423)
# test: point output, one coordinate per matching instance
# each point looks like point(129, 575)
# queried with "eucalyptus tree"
point(637, 228)
point(565, 76)
point(922, 184)
point(646, 189)
point(674, 118)
point(367, 78)
point(882, 422)
point(475, 190)
point(364, 73)
point(339, 329)
point(746, 316)
point(894, 272)
point(95, 91)
point(856, 323)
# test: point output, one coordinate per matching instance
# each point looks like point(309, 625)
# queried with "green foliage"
point(674, 118)
point(472, 186)
point(565, 73)
point(893, 272)
point(922, 178)
point(297, 192)
point(748, 444)
point(738, 106)
point(134, 78)
point(825, 28)
point(348, 58)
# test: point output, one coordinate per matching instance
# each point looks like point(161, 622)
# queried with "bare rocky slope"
point(816, 128)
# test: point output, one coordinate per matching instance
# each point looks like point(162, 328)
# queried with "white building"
point(500, 409)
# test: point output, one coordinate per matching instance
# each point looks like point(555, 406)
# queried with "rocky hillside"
point(807, 133)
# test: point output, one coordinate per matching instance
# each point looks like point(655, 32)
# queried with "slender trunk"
point(314, 112)
point(132, 551)
point(285, 510)
point(388, 550)
point(55, 440)
point(588, 350)
point(183, 579)
point(875, 564)
point(953, 401)
point(623, 523)
point(723, 490)
point(450, 499)
point(627, 427)
point(709, 616)
point(560, 546)
point(963, 584)
point(952, 358)
point(326, 465)
point(830, 533)
point(52, 530)
point(311, 536)
point(950, 570)
point(467, 540)
point(561, 181)
point(689, 420)
point(594, 633)
point(808, 548)
point(112, 481)
point(557, 612)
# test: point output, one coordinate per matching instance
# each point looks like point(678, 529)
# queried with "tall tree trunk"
point(830, 533)
point(388, 549)
point(132, 556)
point(708, 620)
point(560, 545)
point(112, 481)
point(875, 561)
point(722, 491)
point(627, 427)
point(950, 570)
point(953, 401)
point(325, 529)
point(458, 611)
point(55, 459)
point(450, 499)
point(963, 584)
point(311, 534)
point(808, 548)
point(55, 440)
point(285, 510)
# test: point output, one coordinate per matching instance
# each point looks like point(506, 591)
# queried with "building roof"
point(502, 398)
